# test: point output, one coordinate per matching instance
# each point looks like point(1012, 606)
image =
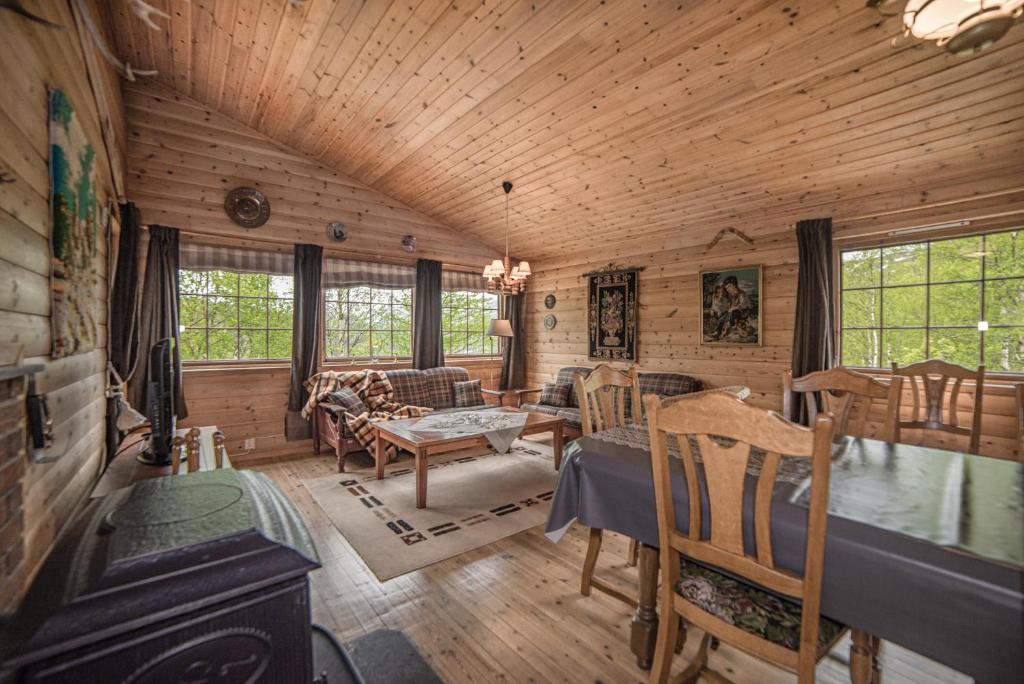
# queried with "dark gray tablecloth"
point(958, 608)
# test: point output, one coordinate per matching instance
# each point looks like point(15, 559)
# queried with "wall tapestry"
point(76, 265)
point(731, 307)
point(612, 315)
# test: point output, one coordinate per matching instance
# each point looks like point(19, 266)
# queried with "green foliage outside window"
point(367, 323)
point(907, 303)
point(464, 320)
point(233, 316)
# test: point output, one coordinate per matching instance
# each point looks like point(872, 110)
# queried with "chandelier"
point(964, 27)
point(501, 276)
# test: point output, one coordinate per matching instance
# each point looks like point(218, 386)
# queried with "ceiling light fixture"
point(964, 27)
point(501, 276)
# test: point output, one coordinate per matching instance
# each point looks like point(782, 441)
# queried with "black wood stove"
point(197, 578)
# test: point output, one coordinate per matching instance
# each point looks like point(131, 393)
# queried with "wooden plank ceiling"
point(615, 120)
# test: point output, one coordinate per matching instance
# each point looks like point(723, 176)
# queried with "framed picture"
point(612, 315)
point(731, 307)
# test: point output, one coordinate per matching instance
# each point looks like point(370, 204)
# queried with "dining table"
point(924, 547)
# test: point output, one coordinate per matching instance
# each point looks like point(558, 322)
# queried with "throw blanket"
point(376, 392)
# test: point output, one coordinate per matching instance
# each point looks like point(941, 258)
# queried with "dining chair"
point(763, 610)
point(602, 399)
point(837, 390)
point(929, 381)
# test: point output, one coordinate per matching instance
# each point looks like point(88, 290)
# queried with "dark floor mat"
point(388, 657)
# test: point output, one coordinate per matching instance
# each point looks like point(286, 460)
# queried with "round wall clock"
point(549, 301)
point(248, 207)
point(550, 322)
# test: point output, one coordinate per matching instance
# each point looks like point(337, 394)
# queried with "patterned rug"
point(472, 501)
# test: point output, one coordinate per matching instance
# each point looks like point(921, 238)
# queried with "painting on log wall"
point(731, 307)
point(76, 279)
point(612, 315)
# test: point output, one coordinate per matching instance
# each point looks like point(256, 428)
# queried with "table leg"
point(864, 658)
point(557, 444)
point(421, 479)
point(644, 627)
point(378, 454)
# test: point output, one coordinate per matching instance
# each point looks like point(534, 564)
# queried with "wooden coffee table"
point(402, 434)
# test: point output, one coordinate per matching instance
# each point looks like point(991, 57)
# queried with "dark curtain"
point(305, 337)
point(814, 331)
point(123, 327)
point(513, 359)
point(158, 315)
point(427, 351)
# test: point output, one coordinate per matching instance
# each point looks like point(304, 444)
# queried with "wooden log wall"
point(249, 402)
point(32, 59)
point(670, 308)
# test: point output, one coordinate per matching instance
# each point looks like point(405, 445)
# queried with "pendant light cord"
point(506, 224)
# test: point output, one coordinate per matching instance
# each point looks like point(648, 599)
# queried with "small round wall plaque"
point(549, 301)
point(550, 322)
point(248, 207)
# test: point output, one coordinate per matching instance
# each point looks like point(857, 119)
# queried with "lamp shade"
point(524, 268)
point(499, 327)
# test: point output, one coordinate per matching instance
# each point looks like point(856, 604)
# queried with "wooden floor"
point(511, 611)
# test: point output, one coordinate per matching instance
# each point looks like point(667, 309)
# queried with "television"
point(160, 405)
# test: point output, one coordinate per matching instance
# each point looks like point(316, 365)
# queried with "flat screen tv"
point(160, 405)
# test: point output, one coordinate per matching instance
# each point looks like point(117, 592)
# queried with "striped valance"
point(198, 257)
point(462, 281)
point(351, 273)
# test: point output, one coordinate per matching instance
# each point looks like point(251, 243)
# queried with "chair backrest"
point(929, 381)
point(602, 397)
point(838, 389)
point(1018, 391)
point(714, 420)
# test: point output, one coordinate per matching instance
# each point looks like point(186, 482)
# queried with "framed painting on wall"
point(612, 315)
point(731, 307)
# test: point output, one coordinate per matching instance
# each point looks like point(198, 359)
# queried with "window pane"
point(1004, 302)
point(904, 264)
point(281, 286)
point(403, 343)
point(279, 343)
point(903, 346)
point(252, 313)
point(223, 312)
point(956, 259)
point(359, 343)
point(192, 311)
point(403, 297)
point(1004, 254)
point(253, 284)
point(359, 294)
point(192, 282)
point(955, 346)
point(252, 344)
point(904, 306)
point(401, 318)
point(223, 283)
point(223, 344)
point(380, 317)
point(335, 344)
point(280, 313)
point(1004, 350)
point(380, 296)
point(860, 348)
point(958, 304)
point(193, 345)
point(861, 308)
point(860, 269)
point(359, 316)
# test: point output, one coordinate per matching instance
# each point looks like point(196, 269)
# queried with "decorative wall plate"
point(550, 322)
point(248, 207)
point(549, 301)
point(336, 231)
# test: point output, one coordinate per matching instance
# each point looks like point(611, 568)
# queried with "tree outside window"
point(367, 323)
point(960, 300)
point(464, 320)
point(234, 316)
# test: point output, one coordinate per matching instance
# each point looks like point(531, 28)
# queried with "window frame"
point(927, 284)
point(238, 328)
point(496, 344)
point(327, 359)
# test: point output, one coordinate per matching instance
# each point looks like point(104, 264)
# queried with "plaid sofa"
point(662, 384)
point(432, 388)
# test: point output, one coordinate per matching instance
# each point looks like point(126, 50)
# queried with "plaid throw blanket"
point(376, 392)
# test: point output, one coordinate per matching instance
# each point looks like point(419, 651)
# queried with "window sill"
point(1001, 377)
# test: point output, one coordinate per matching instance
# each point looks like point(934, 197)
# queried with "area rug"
point(472, 501)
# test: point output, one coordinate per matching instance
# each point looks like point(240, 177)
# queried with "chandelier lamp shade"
point(964, 27)
point(502, 277)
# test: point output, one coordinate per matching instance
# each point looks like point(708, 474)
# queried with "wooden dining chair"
point(768, 612)
point(929, 382)
point(602, 399)
point(1018, 392)
point(836, 391)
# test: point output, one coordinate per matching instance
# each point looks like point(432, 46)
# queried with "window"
point(226, 315)
point(464, 320)
point(960, 300)
point(367, 323)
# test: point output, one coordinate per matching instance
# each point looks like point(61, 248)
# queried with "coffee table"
point(423, 445)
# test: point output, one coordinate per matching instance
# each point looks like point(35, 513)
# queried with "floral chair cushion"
point(750, 608)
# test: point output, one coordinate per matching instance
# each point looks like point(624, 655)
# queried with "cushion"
point(348, 400)
point(439, 384)
point(410, 387)
point(467, 393)
point(568, 374)
point(541, 408)
point(751, 608)
point(555, 394)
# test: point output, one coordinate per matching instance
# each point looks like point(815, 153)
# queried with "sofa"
point(432, 388)
point(662, 384)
